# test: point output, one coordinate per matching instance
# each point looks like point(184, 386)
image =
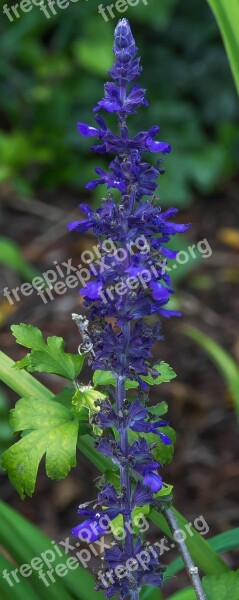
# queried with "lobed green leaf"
point(225, 587)
point(48, 357)
point(50, 429)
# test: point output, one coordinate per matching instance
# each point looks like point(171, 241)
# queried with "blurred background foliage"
point(52, 74)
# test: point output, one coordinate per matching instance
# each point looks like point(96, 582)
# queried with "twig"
point(189, 564)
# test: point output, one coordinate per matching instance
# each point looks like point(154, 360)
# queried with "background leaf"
point(227, 16)
point(224, 587)
point(11, 255)
point(23, 541)
point(225, 363)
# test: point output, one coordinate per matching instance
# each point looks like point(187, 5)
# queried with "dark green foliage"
point(50, 73)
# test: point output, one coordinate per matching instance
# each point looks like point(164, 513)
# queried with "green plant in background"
point(50, 67)
point(11, 257)
point(225, 363)
point(227, 16)
point(22, 541)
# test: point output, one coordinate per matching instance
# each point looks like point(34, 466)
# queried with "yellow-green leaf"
point(52, 430)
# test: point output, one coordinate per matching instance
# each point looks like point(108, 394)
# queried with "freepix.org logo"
point(50, 8)
point(65, 276)
point(48, 568)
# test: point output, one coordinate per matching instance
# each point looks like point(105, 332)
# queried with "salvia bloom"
point(130, 284)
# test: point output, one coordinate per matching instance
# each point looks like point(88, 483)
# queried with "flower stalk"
point(131, 284)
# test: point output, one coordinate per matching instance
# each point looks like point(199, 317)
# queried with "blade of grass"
point(23, 544)
point(18, 592)
point(223, 361)
point(24, 541)
point(227, 17)
point(186, 594)
point(151, 593)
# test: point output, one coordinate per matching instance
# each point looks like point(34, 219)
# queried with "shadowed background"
point(52, 75)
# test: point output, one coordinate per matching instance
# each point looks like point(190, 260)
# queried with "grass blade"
point(227, 17)
point(151, 593)
point(25, 541)
point(19, 592)
point(186, 594)
point(223, 361)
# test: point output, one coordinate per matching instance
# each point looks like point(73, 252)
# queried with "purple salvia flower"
point(131, 285)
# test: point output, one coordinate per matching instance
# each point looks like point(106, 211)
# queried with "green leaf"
point(86, 397)
point(165, 491)
point(227, 16)
point(47, 357)
point(53, 431)
point(161, 452)
point(166, 373)
point(106, 378)
point(24, 363)
point(159, 409)
point(103, 378)
point(224, 587)
point(225, 363)
point(27, 336)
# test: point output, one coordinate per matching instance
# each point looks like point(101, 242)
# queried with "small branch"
point(189, 564)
